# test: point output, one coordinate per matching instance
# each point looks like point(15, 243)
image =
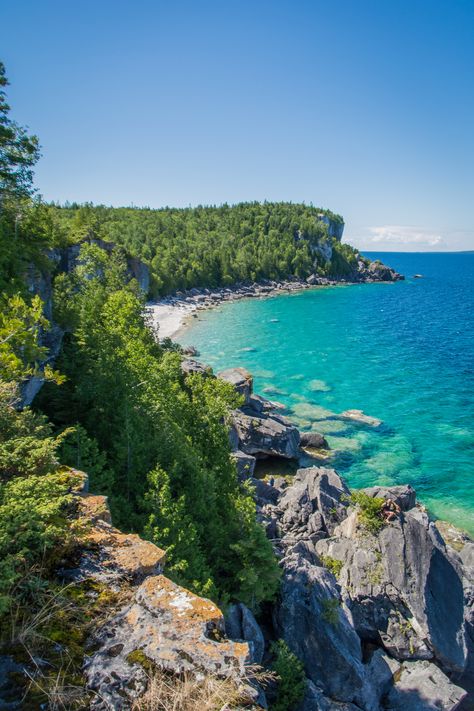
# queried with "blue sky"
point(365, 107)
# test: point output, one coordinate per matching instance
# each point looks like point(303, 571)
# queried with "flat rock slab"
point(422, 686)
point(166, 626)
point(359, 416)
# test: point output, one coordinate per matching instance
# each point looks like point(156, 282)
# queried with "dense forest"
point(213, 246)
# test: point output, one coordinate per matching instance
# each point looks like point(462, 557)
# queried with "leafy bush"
point(332, 564)
point(34, 530)
point(291, 677)
point(370, 510)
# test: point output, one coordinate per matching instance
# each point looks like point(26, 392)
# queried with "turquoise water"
point(402, 352)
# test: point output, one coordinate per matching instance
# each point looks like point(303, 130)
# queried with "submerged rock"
point(359, 416)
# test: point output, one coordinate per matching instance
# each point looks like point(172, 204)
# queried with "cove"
point(401, 352)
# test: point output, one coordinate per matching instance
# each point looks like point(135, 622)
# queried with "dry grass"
point(56, 688)
point(190, 693)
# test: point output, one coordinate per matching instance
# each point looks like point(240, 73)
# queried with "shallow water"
point(402, 352)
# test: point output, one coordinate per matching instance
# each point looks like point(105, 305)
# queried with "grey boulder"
point(422, 686)
point(240, 623)
point(266, 434)
point(314, 505)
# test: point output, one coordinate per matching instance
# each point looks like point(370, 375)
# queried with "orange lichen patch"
point(184, 630)
point(95, 508)
point(126, 552)
point(162, 594)
point(166, 628)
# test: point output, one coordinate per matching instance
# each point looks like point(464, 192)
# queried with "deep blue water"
point(401, 352)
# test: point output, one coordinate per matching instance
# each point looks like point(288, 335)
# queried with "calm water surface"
point(400, 352)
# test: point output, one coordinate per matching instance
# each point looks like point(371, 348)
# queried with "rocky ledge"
point(382, 614)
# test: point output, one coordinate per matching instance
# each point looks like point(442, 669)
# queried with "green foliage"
point(34, 529)
point(343, 262)
point(155, 442)
point(370, 510)
point(18, 151)
point(20, 325)
point(331, 607)
point(292, 680)
point(332, 564)
point(208, 246)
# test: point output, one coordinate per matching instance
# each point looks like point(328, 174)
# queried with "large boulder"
point(240, 379)
point(165, 626)
point(396, 586)
point(266, 434)
point(422, 686)
point(313, 440)
point(313, 506)
point(317, 628)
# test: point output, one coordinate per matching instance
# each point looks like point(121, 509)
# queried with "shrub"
point(34, 530)
point(332, 564)
point(292, 680)
point(370, 510)
point(331, 610)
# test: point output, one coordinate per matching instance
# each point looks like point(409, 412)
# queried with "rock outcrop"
point(379, 619)
point(159, 625)
point(164, 626)
point(258, 428)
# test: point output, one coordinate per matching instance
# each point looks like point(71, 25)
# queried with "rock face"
point(164, 625)
point(263, 435)
point(313, 506)
point(240, 379)
point(395, 585)
point(241, 624)
point(398, 593)
point(258, 429)
point(318, 630)
point(159, 624)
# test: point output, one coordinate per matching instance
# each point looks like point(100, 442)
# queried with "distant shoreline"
point(171, 314)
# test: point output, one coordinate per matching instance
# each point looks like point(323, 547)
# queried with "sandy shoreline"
point(168, 316)
point(171, 314)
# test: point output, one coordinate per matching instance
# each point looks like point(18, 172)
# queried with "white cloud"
point(403, 235)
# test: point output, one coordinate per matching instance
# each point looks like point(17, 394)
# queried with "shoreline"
point(169, 316)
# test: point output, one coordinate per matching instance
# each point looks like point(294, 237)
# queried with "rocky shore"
point(170, 312)
point(376, 599)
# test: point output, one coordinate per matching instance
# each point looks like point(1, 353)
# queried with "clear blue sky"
point(362, 106)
